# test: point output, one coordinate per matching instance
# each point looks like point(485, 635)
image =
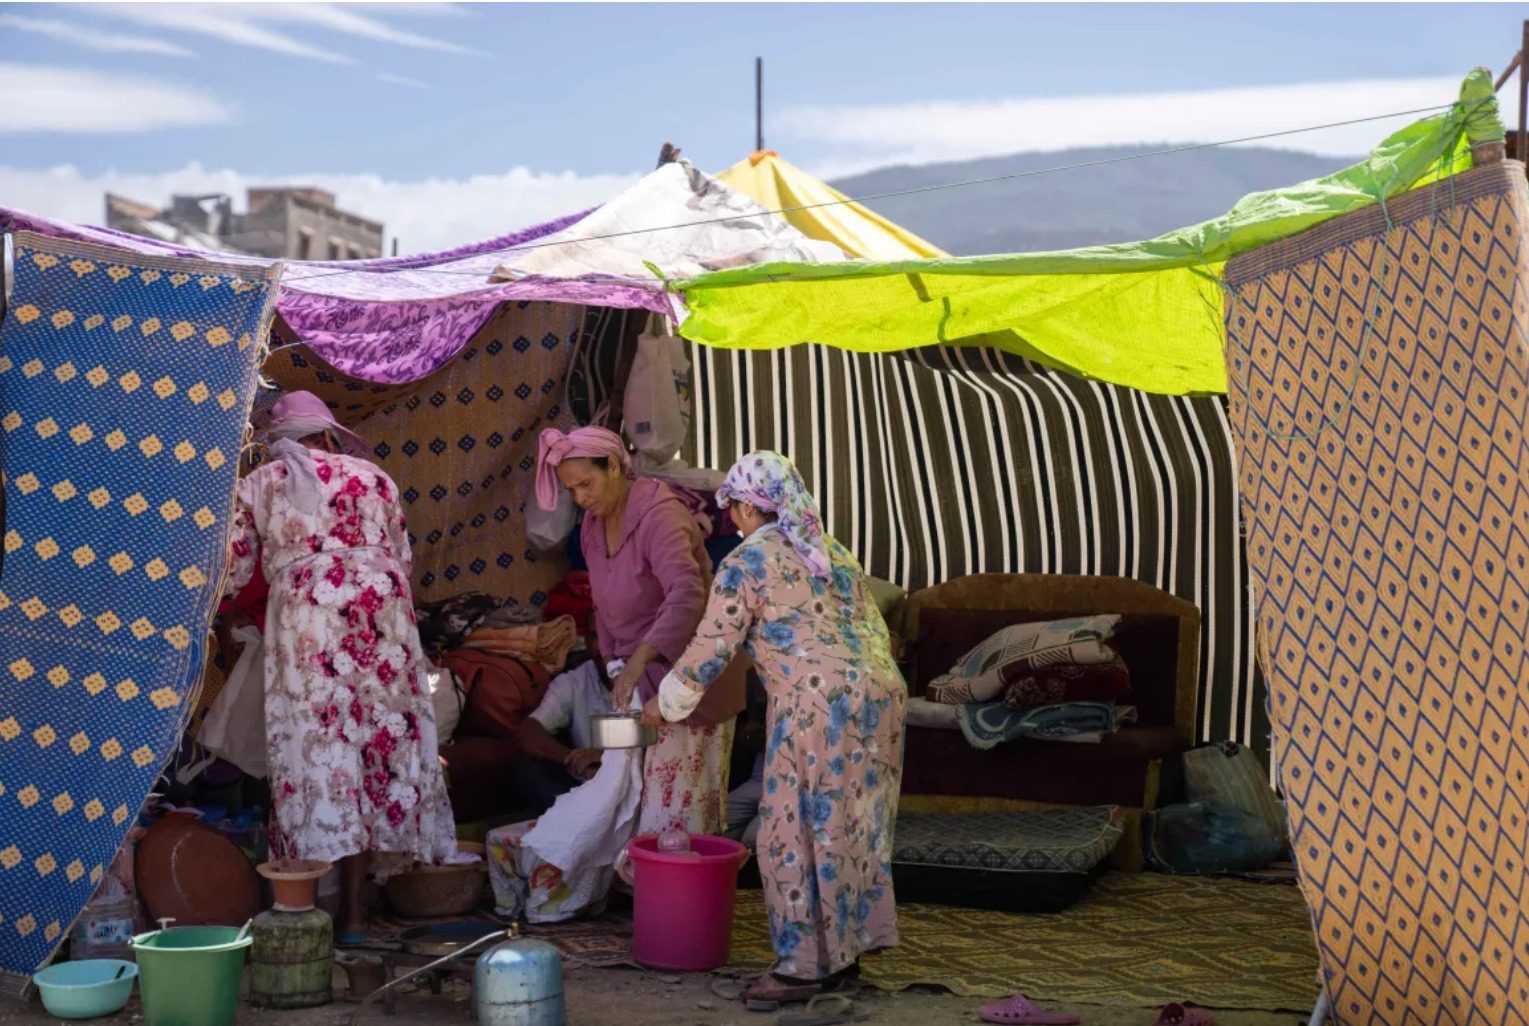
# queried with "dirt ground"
point(629, 997)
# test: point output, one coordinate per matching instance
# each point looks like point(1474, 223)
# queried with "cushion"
point(1011, 861)
point(1069, 682)
point(1012, 653)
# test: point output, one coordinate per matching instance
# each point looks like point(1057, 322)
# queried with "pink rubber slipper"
point(1019, 1009)
point(1178, 1015)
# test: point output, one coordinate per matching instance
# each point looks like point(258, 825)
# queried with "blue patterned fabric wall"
point(125, 385)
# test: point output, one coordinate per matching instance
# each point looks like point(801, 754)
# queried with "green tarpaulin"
point(1145, 314)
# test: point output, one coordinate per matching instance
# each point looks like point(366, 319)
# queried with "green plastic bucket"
point(190, 975)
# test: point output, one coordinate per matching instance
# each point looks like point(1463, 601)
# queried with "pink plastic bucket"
point(682, 905)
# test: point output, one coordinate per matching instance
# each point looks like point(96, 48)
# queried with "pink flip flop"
point(1178, 1015)
point(1020, 1010)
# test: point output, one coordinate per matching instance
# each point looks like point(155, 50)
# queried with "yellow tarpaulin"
point(861, 233)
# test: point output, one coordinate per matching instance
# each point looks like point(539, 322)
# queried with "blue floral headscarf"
point(769, 481)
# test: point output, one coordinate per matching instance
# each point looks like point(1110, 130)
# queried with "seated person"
point(548, 768)
point(743, 806)
point(748, 757)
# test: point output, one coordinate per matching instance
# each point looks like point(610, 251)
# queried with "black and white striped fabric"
point(936, 463)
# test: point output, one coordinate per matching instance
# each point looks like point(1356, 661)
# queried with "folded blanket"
point(546, 643)
point(989, 724)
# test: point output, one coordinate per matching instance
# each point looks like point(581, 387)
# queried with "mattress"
point(1008, 861)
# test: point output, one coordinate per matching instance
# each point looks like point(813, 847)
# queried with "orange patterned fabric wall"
point(1379, 395)
point(461, 446)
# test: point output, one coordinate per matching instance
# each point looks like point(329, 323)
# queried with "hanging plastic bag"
point(235, 726)
point(549, 531)
point(656, 403)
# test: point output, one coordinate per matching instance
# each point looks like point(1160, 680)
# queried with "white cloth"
point(446, 698)
point(571, 699)
point(677, 699)
point(234, 729)
point(588, 828)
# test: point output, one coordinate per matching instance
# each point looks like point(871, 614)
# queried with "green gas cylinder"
point(292, 959)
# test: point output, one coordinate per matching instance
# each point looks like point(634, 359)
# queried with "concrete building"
point(291, 224)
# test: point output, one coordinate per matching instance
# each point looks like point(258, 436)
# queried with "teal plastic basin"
point(87, 989)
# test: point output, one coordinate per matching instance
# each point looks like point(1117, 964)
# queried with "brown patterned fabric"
point(461, 446)
point(1076, 682)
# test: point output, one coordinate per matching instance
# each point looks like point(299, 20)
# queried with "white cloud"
point(425, 215)
point(75, 100)
point(253, 25)
point(857, 138)
point(412, 83)
point(90, 39)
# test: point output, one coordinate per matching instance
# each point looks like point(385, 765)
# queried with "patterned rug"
point(1379, 396)
point(1138, 940)
point(125, 384)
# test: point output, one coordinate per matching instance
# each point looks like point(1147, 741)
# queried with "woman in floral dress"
point(354, 769)
point(798, 602)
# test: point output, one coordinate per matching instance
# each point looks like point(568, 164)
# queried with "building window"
point(304, 244)
point(336, 249)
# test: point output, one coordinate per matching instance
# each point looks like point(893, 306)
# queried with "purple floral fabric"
point(395, 319)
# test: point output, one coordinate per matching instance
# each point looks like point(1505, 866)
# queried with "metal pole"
point(395, 245)
point(759, 98)
point(1522, 151)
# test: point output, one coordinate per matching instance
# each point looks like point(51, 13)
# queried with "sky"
point(453, 122)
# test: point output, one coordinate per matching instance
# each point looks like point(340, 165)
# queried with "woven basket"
point(429, 892)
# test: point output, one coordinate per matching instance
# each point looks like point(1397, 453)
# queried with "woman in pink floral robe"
point(351, 739)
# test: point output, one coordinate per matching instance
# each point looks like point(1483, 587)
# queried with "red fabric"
point(1066, 682)
point(501, 691)
point(250, 599)
point(572, 598)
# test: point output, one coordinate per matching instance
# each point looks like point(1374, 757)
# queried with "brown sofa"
point(1159, 638)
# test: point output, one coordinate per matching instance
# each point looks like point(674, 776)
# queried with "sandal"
point(769, 992)
point(1177, 1015)
point(1020, 1009)
point(811, 1016)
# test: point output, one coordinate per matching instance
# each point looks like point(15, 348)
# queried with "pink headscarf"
point(297, 415)
point(584, 443)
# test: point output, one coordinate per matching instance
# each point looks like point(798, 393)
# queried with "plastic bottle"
point(109, 919)
point(674, 842)
point(103, 930)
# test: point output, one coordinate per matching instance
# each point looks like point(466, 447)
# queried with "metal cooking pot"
point(617, 730)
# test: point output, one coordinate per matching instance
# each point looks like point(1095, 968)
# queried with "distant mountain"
point(1121, 202)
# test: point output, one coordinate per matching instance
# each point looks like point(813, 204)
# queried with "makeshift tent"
point(819, 211)
point(935, 463)
point(449, 377)
point(1086, 311)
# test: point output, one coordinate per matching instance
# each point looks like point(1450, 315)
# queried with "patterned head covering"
point(584, 443)
point(769, 481)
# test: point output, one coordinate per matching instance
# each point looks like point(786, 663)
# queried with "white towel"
point(234, 729)
point(588, 828)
